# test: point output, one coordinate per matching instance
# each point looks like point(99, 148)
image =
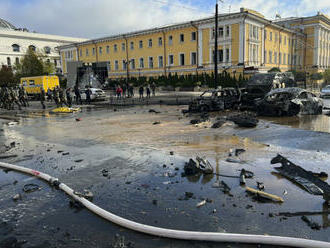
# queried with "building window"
point(170, 40)
point(270, 36)
point(265, 34)
point(289, 59)
point(8, 61)
point(150, 43)
point(284, 59)
point(276, 37)
point(93, 51)
point(220, 56)
point(284, 40)
point(115, 48)
point(171, 59)
point(116, 65)
point(280, 58)
point(151, 62)
point(193, 58)
point(193, 36)
point(87, 53)
point(227, 55)
point(123, 46)
point(33, 48)
point(160, 62)
point(100, 50)
point(80, 52)
point(132, 64)
point(280, 39)
point(124, 65)
point(160, 41)
point(228, 31)
point(132, 45)
point(16, 61)
point(275, 57)
point(108, 49)
point(182, 59)
point(265, 57)
point(140, 44)
point(141, 63)
point(220, 32)
point(270, 57)
point(47, 49)
point(16, 48)
point(181, 38)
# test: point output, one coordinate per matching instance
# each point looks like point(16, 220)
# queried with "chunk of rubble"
point(199, 165)
point(244, 120)
point(218, 124)
point(306, 179)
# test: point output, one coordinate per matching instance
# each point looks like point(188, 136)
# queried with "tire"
point(320, 110)
point(204, 108)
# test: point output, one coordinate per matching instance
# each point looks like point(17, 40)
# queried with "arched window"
point(32, 47)
point(47, 49)
point(17, 61)
point(15, 47)
point(8, 61)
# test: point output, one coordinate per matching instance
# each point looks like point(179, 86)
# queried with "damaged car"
point(215, 100)
point(262, 83)
point(289, 102)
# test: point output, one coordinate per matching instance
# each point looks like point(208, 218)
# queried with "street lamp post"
point(216, 47)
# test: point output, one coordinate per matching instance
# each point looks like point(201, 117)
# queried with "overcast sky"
point(98, 18)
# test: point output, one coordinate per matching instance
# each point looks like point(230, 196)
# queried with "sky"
point(100, 18)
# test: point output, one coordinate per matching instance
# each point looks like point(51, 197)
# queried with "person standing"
point(77, 94)
point(88, 95)
point(68, 97)
point(153, 89)
point(148, 92)
point(56, 96)
point(119, 92)
point(141, 92)
point(42, 97)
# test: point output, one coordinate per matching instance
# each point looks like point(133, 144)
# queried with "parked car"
point(325, 92)
point(97, 94)
point(214, 100)
point(289, 102)
point(262, 83)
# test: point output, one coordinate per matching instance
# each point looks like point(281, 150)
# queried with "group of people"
point(128, 91)
point(11, 96)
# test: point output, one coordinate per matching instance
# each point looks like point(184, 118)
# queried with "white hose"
point(170, 233)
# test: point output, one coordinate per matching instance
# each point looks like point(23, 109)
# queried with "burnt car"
point(289, 102)
point(215, 100)
point(262, 83)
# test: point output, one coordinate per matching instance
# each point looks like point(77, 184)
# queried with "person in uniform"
point(42, 97)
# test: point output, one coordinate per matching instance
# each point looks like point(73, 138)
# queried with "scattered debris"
point(293, 214)
point(200, 204)
point(87, 194)
point(78, 119)
point(260, 185)
point(31, 187)
point(119, 242)
point(242, 180)
point(264, 194)
point(171, 153)
point(285, 192)
point(65, 153)
point(244, 120)
point(8, 156)
point(105, 173)
point(17, 197)
point(153, 111)
point(234, 160)
point(218, 124)
point(79, 160)
point(311, 224)
point(306, 179)
point(199, 165)
point(156, 123)
point(60, 151)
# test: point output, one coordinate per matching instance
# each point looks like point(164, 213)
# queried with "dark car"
point(214, 100)
point(262, 83)
point(289, 102)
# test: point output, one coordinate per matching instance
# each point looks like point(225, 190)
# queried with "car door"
point(306, 103)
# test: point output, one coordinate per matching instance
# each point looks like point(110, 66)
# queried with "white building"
point(15, 42)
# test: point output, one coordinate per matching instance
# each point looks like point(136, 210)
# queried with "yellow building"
point(247, 43)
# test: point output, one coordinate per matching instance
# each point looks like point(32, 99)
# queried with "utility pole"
point(216, 47)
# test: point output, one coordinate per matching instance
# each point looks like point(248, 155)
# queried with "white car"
point(97, 94)
point(325, 92)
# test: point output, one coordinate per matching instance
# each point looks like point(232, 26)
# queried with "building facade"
point(247, 43)
point(15, 42)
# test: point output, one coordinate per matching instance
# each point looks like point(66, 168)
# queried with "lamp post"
point(216, 47)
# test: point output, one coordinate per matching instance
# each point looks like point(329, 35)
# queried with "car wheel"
point(204, 108)
point(320, 110)
point(279, 112)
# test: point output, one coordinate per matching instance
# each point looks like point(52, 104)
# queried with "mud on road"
point(134, 170)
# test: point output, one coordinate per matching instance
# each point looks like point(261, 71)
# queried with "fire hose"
point(170, 233)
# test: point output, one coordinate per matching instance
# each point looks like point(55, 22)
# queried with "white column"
point(200, 47)
point(241, 43)
point(316, 46)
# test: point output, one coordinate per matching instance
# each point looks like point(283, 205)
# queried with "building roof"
point(6, 25)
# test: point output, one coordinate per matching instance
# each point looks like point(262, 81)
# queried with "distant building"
point(15, 42)
point(247, 43)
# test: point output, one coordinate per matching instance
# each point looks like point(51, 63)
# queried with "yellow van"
point(32, 84)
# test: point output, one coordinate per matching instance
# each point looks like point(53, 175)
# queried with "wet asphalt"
point(143, 181)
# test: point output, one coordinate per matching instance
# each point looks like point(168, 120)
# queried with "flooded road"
point(144, 181)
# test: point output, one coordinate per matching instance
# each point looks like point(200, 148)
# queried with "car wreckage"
point(215, 100)
point(289, 102)
point(262, 83)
